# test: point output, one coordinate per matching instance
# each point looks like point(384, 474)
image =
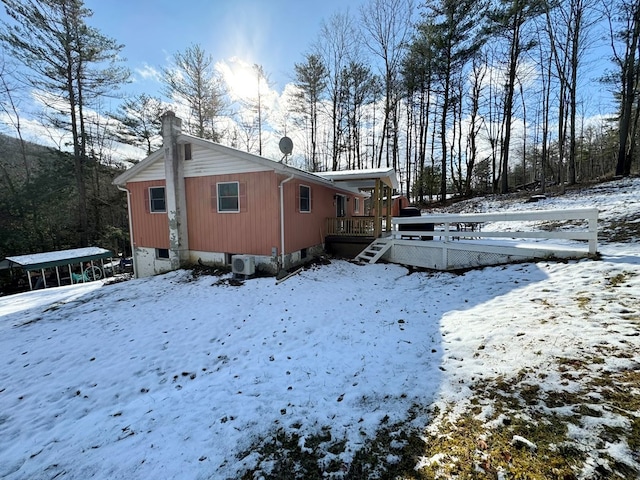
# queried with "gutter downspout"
point(133, 250)
point(282, 219)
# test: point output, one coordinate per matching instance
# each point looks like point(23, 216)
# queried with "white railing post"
point(593, 230)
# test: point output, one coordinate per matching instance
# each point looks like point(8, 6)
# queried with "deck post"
point(389, 190)
point(377, 209)
point(593, 230)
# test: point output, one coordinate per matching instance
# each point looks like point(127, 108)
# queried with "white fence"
point(460, 240)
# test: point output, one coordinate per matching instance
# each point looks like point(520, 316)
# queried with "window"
point(305, 198)
point(228, 197)
point(356, 204)
point(187, 151)
point(157, 202)
point(162, 253)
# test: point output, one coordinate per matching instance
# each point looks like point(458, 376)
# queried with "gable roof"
point(267, 164)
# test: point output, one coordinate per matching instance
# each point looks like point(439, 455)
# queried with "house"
point(195, 200)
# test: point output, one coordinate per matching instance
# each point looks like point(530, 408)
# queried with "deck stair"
point(375, 250)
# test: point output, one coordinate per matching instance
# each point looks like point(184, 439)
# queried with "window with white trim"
point(228, 197)
point(356, 204)
point(157, 200)
point(305, 199)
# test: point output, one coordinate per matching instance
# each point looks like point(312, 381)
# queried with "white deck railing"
point(470, 225)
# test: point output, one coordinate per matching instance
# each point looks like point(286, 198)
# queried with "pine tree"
point(70, 63)
point(311, 80)
point(193, 81)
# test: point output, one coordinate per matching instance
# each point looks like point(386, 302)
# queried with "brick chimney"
point(175, 190)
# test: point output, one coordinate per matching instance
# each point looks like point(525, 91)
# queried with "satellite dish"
point(286, 145)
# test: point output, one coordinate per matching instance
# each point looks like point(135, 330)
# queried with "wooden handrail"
point(351, 226)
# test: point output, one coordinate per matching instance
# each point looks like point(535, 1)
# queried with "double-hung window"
point(157, 201)
point(228, 197)
point(305, 199)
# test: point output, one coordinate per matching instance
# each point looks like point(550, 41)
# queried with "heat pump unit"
point(243, 265)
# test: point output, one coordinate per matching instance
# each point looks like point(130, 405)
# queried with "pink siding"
point(398, 204)
point(254, 230)
point(304, 230)
point(149, 229)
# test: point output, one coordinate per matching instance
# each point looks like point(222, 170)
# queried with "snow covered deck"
point(457, 241)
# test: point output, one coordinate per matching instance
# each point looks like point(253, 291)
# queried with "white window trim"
point(300, 199)
point(151, 210)
point(356, 205)
point(218, 197)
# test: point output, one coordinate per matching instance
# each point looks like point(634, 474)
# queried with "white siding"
point(155, 171)
point(206, 162)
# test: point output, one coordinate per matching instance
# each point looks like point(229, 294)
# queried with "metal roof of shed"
point(37, 261)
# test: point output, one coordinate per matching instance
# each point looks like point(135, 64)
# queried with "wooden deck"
point(466, 240)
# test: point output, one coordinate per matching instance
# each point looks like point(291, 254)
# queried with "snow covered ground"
point(182, 376)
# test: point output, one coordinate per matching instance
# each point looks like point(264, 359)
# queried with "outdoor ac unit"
point(243, 265)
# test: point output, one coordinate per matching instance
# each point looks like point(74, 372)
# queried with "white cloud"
point(147, 72)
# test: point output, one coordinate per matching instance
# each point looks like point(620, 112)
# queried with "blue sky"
point(273, 33)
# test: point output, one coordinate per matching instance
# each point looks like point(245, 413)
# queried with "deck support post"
point(389, 206)
point(377, 195)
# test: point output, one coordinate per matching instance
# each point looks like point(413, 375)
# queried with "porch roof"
point(363, 179)
point(37, 261)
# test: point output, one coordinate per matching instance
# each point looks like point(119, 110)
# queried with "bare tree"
point(254, 112)
point(418, 74)
point(478, 74)
point(624, 26)
point(453, 27)
point(358, 90)
point(507, 21)
point(8, 88)
point(568, 25)
point(387, 26)
point(337, 47)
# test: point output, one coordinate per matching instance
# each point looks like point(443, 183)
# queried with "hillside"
point(39, 208)
point(344, 371)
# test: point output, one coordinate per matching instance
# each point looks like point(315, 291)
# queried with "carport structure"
point(40, 261)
